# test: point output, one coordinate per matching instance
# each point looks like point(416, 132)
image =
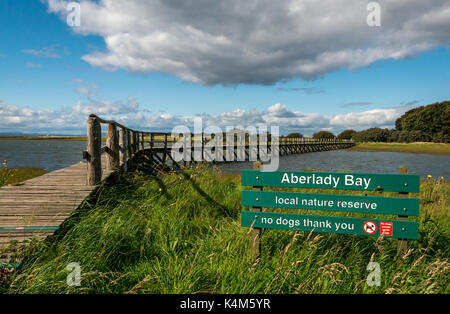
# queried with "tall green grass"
point(181, 233)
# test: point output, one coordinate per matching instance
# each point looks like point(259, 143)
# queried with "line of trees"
point(429, 123)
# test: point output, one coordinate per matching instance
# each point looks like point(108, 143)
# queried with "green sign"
point(332, 202)
point(333, 180)
point(330, 224)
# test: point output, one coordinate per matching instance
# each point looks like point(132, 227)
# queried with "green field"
point(418, 148)
point(181, 233)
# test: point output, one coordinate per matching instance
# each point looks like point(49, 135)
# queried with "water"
point(52, 155)
point(368, 162)
point(49, 155)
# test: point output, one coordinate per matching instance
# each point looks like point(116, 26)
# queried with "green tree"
point(346, 135)
point(295, 134)
point(372, 135)
point(323, 135)
point(433, 121)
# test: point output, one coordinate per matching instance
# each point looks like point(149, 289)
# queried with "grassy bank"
point(16, 175)
point(418, 148)
point(181, 233)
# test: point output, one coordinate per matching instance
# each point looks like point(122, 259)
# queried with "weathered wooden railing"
point(122, 146)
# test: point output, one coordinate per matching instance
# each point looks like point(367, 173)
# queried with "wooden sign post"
point(402, 244)
point(256, 232)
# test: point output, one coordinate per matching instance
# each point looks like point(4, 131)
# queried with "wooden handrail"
point(123, 145)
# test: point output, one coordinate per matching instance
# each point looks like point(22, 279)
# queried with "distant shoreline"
point(414, 148)
point(45, 138)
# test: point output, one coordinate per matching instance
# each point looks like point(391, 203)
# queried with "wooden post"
point(203, 147)
point(256, 232)
point(165, 151)
point(136, 142)
point(133, 143)
point(129, 148)
point(257, 148)
point(94, 145)
point(402, 244)
point(192, 148)
point(123, 137)
point(152, 140)
point(142, 141)
point(112, 148)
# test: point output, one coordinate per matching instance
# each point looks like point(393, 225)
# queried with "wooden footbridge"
point(37, 207)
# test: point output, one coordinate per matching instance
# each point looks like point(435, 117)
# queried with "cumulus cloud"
point(384, 117)
point(13, 118)
point(67, 120)
point(105, 107)
point(72, 119)
point(255, 42)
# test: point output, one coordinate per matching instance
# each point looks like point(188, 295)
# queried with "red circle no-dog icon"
point(370, 227)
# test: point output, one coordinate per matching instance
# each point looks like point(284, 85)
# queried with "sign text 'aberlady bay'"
point(332, 180)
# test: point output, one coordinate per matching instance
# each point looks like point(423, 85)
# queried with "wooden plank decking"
point(44, 201)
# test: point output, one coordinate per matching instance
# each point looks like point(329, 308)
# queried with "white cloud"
point(256, 42)
point(89, 90)
point(45, 52)
point(105, 107)
point(33, 65)
point(384, 117)
point(13, 118)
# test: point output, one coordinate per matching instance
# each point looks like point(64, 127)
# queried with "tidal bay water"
point(364, 162)
point(46, 154)
point(52, 155)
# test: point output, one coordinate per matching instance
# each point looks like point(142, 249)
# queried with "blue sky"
point(45, 75)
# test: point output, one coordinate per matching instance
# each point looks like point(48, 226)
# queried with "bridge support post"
point(112, 148)
point(123, 142)
point(132, 143)
point(129, 147)
point(94, 145)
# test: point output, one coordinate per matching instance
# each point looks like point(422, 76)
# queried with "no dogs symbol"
point(370, 227)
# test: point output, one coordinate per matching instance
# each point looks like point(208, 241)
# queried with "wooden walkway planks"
point(44, 201)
